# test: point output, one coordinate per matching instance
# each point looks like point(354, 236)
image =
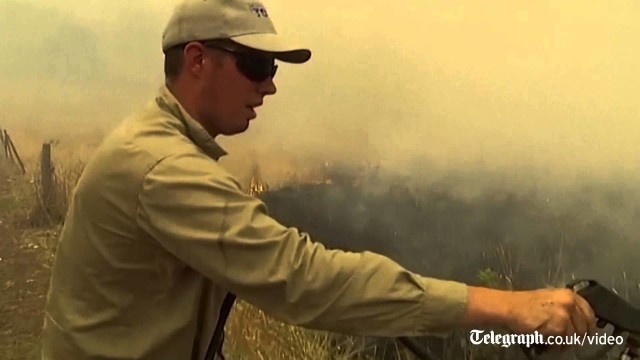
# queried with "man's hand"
point(551, 312)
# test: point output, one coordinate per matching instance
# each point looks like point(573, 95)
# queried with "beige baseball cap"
point(244, 22)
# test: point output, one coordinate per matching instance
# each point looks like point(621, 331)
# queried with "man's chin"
point(237, 130)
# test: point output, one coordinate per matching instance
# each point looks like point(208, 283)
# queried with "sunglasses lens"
point(255, 67)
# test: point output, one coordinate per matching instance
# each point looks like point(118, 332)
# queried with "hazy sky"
point(555, 83)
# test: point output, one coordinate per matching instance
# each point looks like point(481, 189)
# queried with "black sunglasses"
point(255, 66)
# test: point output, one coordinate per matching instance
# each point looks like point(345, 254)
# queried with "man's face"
point(227, 97)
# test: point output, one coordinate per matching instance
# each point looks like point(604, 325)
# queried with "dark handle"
point(535, 350)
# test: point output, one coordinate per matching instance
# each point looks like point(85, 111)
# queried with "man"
point(158, 233)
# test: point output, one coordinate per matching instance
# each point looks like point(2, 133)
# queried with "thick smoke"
point(538, 237)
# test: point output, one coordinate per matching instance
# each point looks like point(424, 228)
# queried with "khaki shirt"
point(158, 232)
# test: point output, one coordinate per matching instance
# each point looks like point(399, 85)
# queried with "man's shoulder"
point(151, 134)
point(155, 133)
point(143, 141)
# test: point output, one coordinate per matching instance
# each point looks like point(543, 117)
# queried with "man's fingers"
point(570, 330)
point(579, 319)
point(588, 313)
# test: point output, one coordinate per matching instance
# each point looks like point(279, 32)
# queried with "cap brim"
point(276, 45)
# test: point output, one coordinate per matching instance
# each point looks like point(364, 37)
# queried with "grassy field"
point(503, 237)
point(24, 267)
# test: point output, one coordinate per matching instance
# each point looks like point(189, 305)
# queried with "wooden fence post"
point(15, 153)
point(5, 143)
point(4, 146)
point(10, 151)
point(46, 177)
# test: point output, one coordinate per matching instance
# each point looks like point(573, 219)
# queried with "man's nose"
point(268, 87)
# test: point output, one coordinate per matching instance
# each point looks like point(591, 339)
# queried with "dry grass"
point(251, 334)
point(24, 271)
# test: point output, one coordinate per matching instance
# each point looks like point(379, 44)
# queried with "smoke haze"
point(549, 87)
point(515, 123)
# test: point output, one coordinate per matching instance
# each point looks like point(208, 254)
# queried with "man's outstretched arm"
point(198, 212)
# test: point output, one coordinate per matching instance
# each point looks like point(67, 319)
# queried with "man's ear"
point(194, 59)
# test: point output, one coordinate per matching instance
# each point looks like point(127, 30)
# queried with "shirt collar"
point(168, 102)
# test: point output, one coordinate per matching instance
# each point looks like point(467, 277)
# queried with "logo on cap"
point(258, 9)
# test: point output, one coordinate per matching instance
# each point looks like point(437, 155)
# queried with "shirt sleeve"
point(198, 212)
